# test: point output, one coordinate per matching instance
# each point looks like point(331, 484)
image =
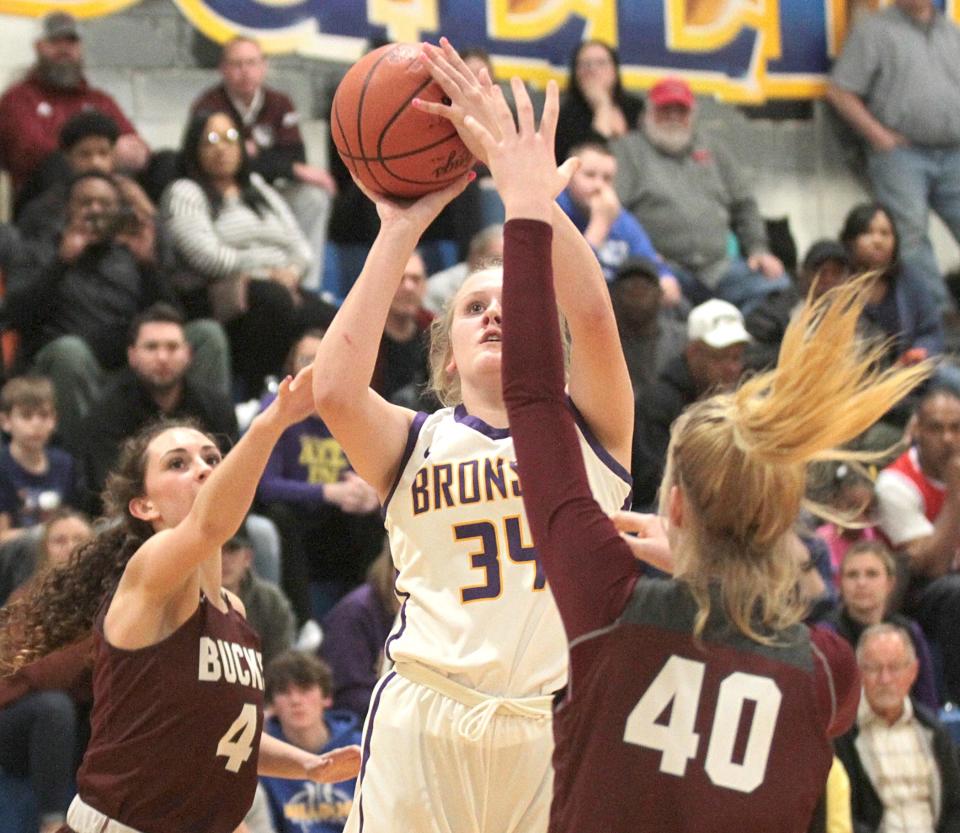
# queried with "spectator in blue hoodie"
point(299, 689)
point(591, 202)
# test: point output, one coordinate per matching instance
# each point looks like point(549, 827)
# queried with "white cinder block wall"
point(146, 58)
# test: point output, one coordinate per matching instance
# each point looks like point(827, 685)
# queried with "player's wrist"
point(527, 207)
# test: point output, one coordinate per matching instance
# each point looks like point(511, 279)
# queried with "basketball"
point(385, 143)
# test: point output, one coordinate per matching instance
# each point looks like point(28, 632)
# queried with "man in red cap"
point(33, 110)
point(690, 195)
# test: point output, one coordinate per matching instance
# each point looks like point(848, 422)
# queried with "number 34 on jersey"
point(493, 546)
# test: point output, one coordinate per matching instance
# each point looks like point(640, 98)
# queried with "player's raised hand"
point(522, 159)
point(647, 538)
point(417, 213)
point(294, 402)
point(469, 94)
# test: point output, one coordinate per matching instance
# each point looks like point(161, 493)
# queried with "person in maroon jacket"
point(33, 110)
point(177, 673)
point(697, 703)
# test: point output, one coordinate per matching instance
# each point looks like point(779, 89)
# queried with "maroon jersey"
point(656, 731)
point(176, 727)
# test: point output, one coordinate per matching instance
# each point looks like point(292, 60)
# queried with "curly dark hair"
point(61, 606)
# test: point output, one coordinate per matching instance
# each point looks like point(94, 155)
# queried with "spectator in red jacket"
point(33, 110)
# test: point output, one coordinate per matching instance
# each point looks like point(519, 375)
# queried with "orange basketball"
point(389, 146)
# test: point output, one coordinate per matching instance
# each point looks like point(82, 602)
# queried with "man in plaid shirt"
point(902, 764)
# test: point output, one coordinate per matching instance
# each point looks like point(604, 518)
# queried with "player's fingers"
point(437, 108)
point(502, 114)
point(551, 110)
point(652, 551)
point(457, 65)
point(297, 380)
point(376, 199)
point(438, 199)
point(442, 73)
point(304, 376)
point(636, 521)
point(480, 133)
point(524, 106)
point(484, 78)
point(569, 167)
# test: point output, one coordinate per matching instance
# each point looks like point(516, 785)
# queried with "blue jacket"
point(626, 239)
point(921, 324)
point(307, 807)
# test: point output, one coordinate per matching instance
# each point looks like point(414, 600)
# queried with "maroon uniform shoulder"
point(837, 679)
point(214, 98)
point(662, 730)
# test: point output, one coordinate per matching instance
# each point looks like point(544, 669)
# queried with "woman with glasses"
point(240, 253)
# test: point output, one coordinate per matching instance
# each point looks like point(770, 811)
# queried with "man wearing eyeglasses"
point(904, 776)
point(270, 126)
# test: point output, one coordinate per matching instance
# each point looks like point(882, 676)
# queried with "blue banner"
point(738, 50)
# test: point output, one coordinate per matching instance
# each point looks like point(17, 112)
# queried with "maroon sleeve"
point(24, 140)
point(288, 129)
point(105, 104)
point(837, 679)
point(590, 568)
point(208, 101)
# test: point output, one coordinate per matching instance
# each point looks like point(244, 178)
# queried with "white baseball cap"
point(716, 323)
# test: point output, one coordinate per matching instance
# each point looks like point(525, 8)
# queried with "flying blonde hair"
point(740, 459)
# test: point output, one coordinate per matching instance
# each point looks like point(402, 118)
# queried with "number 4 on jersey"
point(237, 742)
point(680, 682)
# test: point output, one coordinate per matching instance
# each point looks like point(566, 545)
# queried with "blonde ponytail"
point(740, 458)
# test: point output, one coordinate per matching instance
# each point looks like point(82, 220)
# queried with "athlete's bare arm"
point(279, 759)
point(161, 584)
point(599, 381)
point(372, 431)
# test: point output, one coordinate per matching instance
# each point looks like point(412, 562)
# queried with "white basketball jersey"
point(476, 606)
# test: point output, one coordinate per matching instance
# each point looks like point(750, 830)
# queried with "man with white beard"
point(690, 195)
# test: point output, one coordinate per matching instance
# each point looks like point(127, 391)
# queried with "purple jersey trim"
point(604, 456)
point(460, 415)
point(418, 419)
point(368, 732)
point(403, 623)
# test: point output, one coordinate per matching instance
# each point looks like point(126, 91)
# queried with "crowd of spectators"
point(192, 303)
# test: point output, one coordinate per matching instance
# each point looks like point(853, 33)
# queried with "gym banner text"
point(738, 50)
